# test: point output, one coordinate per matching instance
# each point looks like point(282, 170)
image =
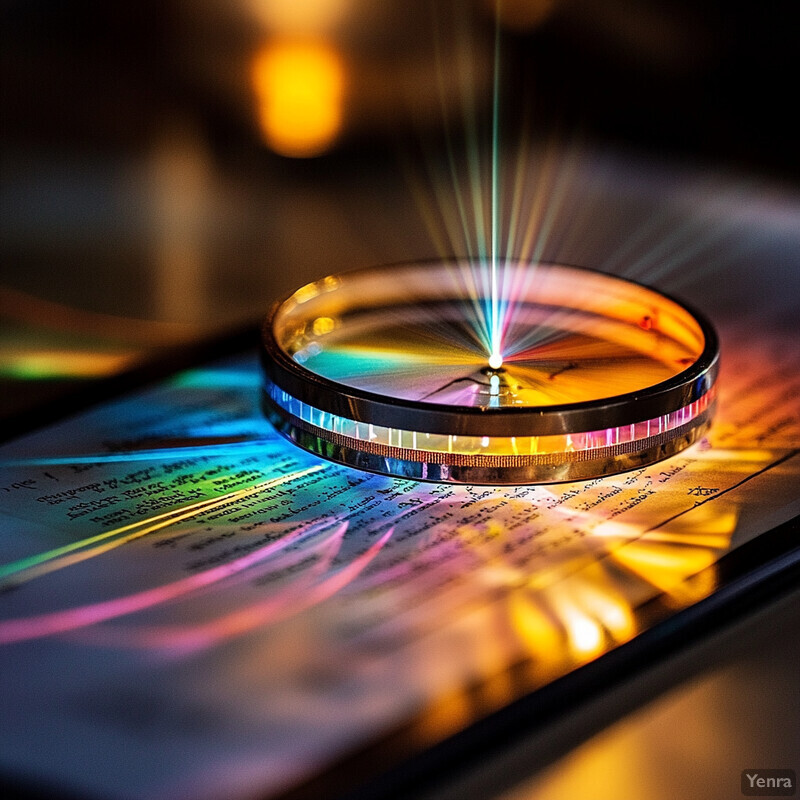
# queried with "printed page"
point(190, 606)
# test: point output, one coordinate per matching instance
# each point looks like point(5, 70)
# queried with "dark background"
point(713, 79)
point(140, 206)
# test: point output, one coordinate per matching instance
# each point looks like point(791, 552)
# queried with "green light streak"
point(496, 328)
point(63, 556)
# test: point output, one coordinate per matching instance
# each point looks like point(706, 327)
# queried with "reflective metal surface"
point(468, 372)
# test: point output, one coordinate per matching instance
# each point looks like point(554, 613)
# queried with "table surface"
point(79, 270)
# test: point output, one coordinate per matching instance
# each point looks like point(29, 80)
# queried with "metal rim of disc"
point(627, 431)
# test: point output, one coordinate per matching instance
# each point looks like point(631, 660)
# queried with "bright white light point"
point(585, 633)
point(495, 361)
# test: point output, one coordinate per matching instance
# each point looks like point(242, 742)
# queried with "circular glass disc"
point(462, 372)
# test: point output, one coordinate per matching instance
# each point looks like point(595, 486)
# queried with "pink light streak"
point(18, 630)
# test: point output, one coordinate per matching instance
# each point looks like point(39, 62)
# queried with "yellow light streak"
point(52, 363)
point(607, 606)
point(585, 636)
point(666, 566)
point(76, 552)
point(537, 630)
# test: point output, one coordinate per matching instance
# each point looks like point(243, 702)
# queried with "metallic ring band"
point(347, 421)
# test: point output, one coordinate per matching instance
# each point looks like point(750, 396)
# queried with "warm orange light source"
point(299, 88)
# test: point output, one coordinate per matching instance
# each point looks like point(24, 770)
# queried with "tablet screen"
point(192, 606)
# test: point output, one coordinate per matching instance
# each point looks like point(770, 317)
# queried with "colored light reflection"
point(568, 335)
point(432, 445)
point(574, 335)
point(299, 88)
point(595, 608)
point(60, 557)
point(312, 586)
point(80, 617)
point(59, 364)
point(567, 611)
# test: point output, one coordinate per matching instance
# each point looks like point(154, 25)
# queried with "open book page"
point(192, 607)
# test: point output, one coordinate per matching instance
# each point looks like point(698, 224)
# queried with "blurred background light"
point(300, 17)
point(299, 88)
